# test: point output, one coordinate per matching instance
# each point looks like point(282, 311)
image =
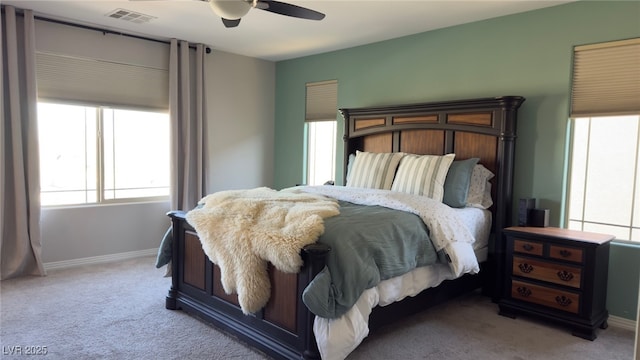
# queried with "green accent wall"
point(624, 277)
point(526, 54)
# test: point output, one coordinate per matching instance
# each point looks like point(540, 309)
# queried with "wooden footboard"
point(282, 329)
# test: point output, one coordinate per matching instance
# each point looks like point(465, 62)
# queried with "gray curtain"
point(188, 118)
point(20, 245)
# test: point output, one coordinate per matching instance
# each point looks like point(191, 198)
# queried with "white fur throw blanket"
point(242, 230)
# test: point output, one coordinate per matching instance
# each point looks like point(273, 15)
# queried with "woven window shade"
point(322, 101)
point(77, 79)
point(606, 79)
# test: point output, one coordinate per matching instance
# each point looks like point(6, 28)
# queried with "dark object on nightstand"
point(538, 217)
point(523, 210)
point(559, 275)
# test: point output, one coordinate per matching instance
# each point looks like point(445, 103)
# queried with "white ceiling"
point(270, 36)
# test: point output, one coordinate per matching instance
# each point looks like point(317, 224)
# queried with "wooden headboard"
point(483, 128)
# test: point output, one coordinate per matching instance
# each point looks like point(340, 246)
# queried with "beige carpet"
point(116, 311)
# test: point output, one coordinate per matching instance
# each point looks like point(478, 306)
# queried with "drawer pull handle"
point(564, 275)
point(525, 268)
point(527, 247)
point(563, 300)
point(565, 253)
point(523, 291)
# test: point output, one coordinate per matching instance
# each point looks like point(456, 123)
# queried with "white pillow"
point(480, 188)
point(373, 170)
point(423, 175)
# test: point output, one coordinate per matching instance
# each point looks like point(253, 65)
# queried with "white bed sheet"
point(478, 221)
point(337, 338)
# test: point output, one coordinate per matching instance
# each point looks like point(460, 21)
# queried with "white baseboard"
point(99, 259)
point(622, 323)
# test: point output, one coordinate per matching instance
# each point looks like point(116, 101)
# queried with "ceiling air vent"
point(131, 16)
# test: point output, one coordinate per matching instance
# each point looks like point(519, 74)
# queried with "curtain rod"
point(104, 31)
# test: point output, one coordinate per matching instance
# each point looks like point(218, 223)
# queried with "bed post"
point(345, 139)
point(171, 299)
point(315, 261)
point(504, 217)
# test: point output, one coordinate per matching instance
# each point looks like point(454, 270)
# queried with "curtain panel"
point(187, 110)
point(20, 245)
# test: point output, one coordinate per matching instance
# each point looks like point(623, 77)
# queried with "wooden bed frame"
point(484, 128)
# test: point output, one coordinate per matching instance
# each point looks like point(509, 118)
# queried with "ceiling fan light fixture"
point(229, 9)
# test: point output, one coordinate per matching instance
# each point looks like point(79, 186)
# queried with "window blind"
point(74, 78)
point(321, 101)
point(606, 79)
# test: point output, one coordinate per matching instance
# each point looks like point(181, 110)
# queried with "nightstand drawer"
point(550, 272)
point(558, 299)
point(528, 247)
point(565, 253)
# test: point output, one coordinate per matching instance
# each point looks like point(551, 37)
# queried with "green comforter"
point(369, 244)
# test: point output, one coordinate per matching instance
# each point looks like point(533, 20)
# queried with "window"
point(604, 192)
point(321, 165)
point(321, 124)
point(604, 176)
point(97, 154)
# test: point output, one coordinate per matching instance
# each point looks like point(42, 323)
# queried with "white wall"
point(241, 99)
point(88, 231)
point(240, 112)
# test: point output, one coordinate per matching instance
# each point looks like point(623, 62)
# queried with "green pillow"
point(456, 185)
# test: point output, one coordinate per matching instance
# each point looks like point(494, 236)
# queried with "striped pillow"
point(373, 170)
point(423, 175)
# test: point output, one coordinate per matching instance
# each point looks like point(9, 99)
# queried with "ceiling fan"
point(231, 11)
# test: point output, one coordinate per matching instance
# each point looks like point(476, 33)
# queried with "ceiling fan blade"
point(230, 23)
point(289, 10)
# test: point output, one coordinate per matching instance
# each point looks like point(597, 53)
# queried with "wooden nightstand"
point(559, 275)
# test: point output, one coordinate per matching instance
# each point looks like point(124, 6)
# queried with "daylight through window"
point(94, 154)
point(604, 193)
point(321, 102)
point(321, 164)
